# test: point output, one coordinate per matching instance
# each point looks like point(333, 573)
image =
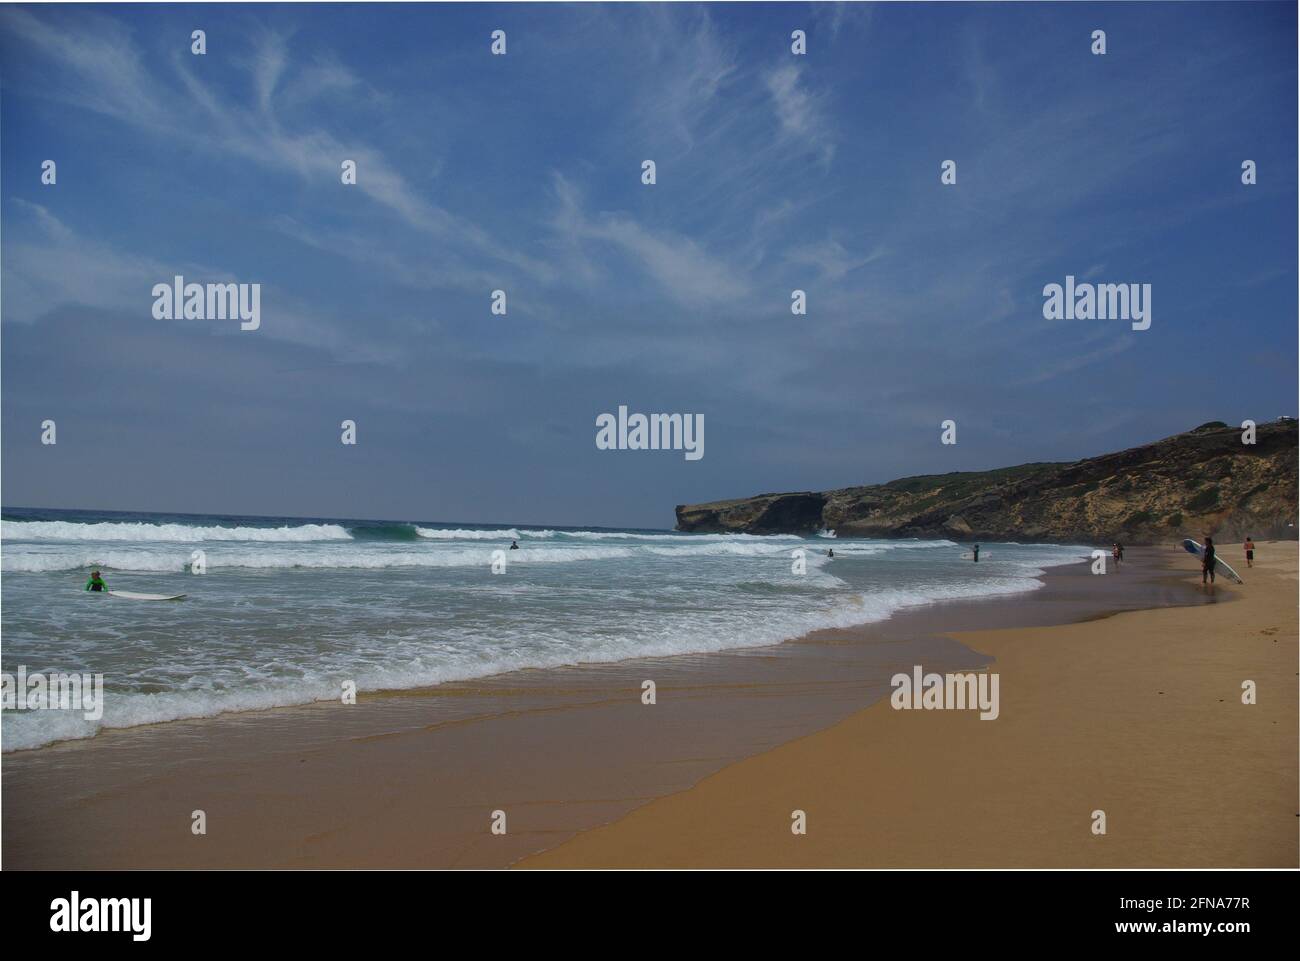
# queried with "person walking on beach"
point(1115, 553)
point(1208, 560)
point(1250, 551)
point(96, 583)
point(1119, 552)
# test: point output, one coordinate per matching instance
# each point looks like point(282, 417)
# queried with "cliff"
point(1202, 481)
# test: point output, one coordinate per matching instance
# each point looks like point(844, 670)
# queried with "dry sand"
point(1139, 715)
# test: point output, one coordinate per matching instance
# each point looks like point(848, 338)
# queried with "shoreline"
point(409, 778)
point(422, 689)
point(299, 686)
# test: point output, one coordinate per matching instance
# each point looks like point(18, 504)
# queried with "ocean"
point(288, 609)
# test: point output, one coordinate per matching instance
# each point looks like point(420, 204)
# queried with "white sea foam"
point(668, 537)
point(678, 634)
point(127, 559)
point(50, 556)
point(181, 533)
point(475, 534)
point(438, 534)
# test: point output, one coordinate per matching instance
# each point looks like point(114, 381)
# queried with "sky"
point(523, 173)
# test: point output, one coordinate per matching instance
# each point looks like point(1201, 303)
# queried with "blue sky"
point(522, 172)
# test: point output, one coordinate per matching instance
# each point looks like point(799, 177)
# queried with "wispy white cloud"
point(830, 18)
point(106, 69)
point(1053, 369)
point(681, 267)
point(800, 112)
point(108, 75)
point(832, 260)
point(51, 265)
point(692, 66)
point(55, 266)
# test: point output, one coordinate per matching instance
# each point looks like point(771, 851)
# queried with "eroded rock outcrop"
point(1203, 481)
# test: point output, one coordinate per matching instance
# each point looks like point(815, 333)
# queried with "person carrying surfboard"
point(1208, 560)
point(96, 583)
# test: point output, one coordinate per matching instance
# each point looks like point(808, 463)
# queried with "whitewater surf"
point(286, 610)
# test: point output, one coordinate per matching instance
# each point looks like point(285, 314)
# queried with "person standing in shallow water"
point(1208, 561)
point(976, 553)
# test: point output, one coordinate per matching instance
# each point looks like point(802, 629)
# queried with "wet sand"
point(1137, 715)
point(412, 779)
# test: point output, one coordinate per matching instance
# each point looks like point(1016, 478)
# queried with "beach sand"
point(1139, 715)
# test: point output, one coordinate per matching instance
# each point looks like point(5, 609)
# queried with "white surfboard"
point(1192, 547)
point(135, 596)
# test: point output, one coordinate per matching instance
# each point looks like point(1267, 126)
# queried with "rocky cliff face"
point(1203, 481)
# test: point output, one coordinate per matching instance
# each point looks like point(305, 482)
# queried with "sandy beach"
point(1138, 714)
point(439, 437)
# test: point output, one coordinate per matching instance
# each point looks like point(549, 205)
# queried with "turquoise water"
point(290, 608)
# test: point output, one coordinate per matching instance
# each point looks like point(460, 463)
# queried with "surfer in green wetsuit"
point(96, 583)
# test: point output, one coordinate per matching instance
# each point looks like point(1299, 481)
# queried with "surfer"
point(514, 545)
point(831, 552)
point(1250, 551)
point(1208, 560)
point(96, 583)
point(976, 553)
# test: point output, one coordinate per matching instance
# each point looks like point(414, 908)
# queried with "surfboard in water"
point(135, 596)
point(1192, 547)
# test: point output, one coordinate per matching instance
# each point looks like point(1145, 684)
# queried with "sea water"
point(288, 609)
